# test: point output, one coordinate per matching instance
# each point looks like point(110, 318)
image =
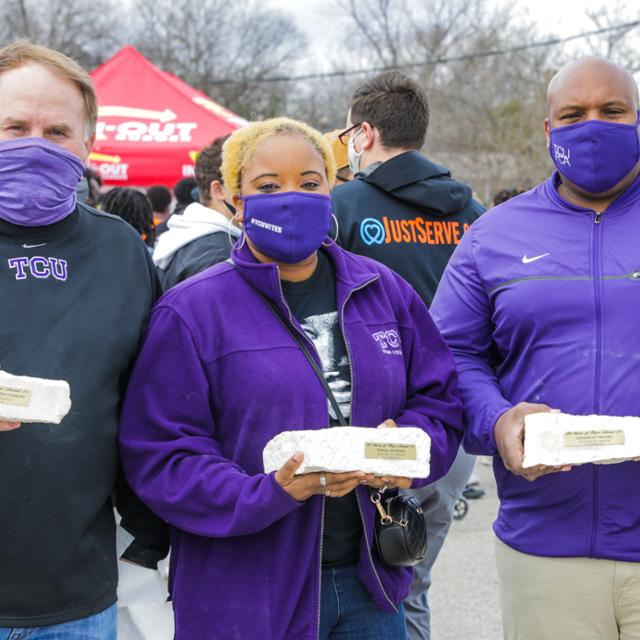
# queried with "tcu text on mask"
point(39, 267)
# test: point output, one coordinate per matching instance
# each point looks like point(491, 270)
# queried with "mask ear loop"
point(232, 242)
point(333, 240)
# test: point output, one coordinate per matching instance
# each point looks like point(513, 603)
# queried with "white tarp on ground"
point(143, 613)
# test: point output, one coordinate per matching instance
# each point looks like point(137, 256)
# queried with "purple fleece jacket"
point(540, 303)
point(217, 378)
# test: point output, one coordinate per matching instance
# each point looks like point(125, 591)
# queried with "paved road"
point(464, 594)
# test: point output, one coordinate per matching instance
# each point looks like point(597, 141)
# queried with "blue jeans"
point(101, 626)
point(347, 611)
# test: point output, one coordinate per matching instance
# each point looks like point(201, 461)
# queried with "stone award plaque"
point(24, 399)
point(561, 439)
point(404, 451)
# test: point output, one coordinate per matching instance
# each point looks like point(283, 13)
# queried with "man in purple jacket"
point(540, 307)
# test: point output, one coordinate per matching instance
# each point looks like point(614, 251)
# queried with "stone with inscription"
point(404, 451)
point(561, 439)
point(25, 399)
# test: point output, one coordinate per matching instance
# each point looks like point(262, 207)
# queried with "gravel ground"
point(464, 594)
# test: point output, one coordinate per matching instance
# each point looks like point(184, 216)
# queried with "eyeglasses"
point(342, 136)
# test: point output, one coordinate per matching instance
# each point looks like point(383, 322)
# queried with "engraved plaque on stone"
point(404, 451)
point(26, 399)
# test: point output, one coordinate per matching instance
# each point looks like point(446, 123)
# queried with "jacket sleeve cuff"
point(285, 501)
point(490, 425)
point(142, 556)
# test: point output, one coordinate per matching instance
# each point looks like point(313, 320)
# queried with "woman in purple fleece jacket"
point(277, 556)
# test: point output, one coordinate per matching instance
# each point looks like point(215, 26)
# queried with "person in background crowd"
point(76, 288)
point(339, 148)
point(88, 190)
point(133, 207)
point(409, 214)
point(506, 194)
point(160, 199)
point(281, 556)
point(204, 234)
point(185, 193)
point(540, 306)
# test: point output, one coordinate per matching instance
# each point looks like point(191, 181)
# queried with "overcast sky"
point(323, 23)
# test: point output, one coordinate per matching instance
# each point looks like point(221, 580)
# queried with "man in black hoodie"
point(76, 287)
point(410, 214)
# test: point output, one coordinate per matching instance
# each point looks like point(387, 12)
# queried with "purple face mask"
point(288, 226)
point(38, 181)
point(595, 155)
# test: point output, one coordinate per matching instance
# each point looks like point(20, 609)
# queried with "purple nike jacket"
point(541, 303)
point(218, 376)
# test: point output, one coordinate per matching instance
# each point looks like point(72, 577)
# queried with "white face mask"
point(353, 155)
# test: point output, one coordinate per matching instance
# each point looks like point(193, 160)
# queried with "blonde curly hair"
point(238, 150)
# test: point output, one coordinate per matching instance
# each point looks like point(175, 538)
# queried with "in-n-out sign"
point(162, 127)
point(136, 131)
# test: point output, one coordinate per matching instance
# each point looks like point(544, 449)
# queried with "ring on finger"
point(323, 480)
point(328, 493)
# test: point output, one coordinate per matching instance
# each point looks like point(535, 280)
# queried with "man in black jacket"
point(410, 214)
point(203, 235)
point(76, 286)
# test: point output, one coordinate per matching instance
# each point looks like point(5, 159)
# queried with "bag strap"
point(375, 495)
point(311, 360)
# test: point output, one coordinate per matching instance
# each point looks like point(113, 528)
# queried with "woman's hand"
point(9, 426)
point(390, 482)
point(332, 485)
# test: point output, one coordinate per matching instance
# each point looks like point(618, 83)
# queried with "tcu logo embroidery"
point(563, 156)
point(389, 342)
point(39, 267)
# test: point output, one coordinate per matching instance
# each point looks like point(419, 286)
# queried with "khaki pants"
point(567, 598)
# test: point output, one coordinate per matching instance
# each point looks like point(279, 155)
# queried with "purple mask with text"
point(38, 181)
point(595, 155)
point(288, 226)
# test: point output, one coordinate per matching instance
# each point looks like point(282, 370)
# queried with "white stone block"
point(24, 399)
point(404, 451)
point(560, 439)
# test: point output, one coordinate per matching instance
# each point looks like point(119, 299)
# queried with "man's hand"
point(332, 485)
point(9, 426)
point(390, 482)
point(509, 436)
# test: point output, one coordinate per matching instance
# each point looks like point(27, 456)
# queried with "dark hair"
point(133, 207)
point(506, 194)
point(160, 197)
point(182, 191)
point(208, 168)
point(94, 182)
point(396, 106)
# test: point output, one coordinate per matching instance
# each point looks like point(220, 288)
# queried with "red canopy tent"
point(151, 124)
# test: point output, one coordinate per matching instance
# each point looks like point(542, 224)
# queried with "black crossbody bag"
point(401, 530)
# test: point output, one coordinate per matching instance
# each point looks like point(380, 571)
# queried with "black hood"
point(412, 178)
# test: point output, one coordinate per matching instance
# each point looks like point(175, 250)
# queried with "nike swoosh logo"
point(33, 246)
point(526, 260)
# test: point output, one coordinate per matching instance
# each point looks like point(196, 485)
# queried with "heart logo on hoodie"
point(372, 231)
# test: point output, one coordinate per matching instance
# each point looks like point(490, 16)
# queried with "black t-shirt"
point(313, 303)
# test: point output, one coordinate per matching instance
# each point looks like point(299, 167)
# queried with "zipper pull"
point(598, 217)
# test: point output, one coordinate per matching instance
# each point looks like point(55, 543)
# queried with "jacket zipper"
point(364, 528)
point(598, 364)
point(353, 382)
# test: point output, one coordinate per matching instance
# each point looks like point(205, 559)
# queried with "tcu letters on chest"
point(38, 267)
